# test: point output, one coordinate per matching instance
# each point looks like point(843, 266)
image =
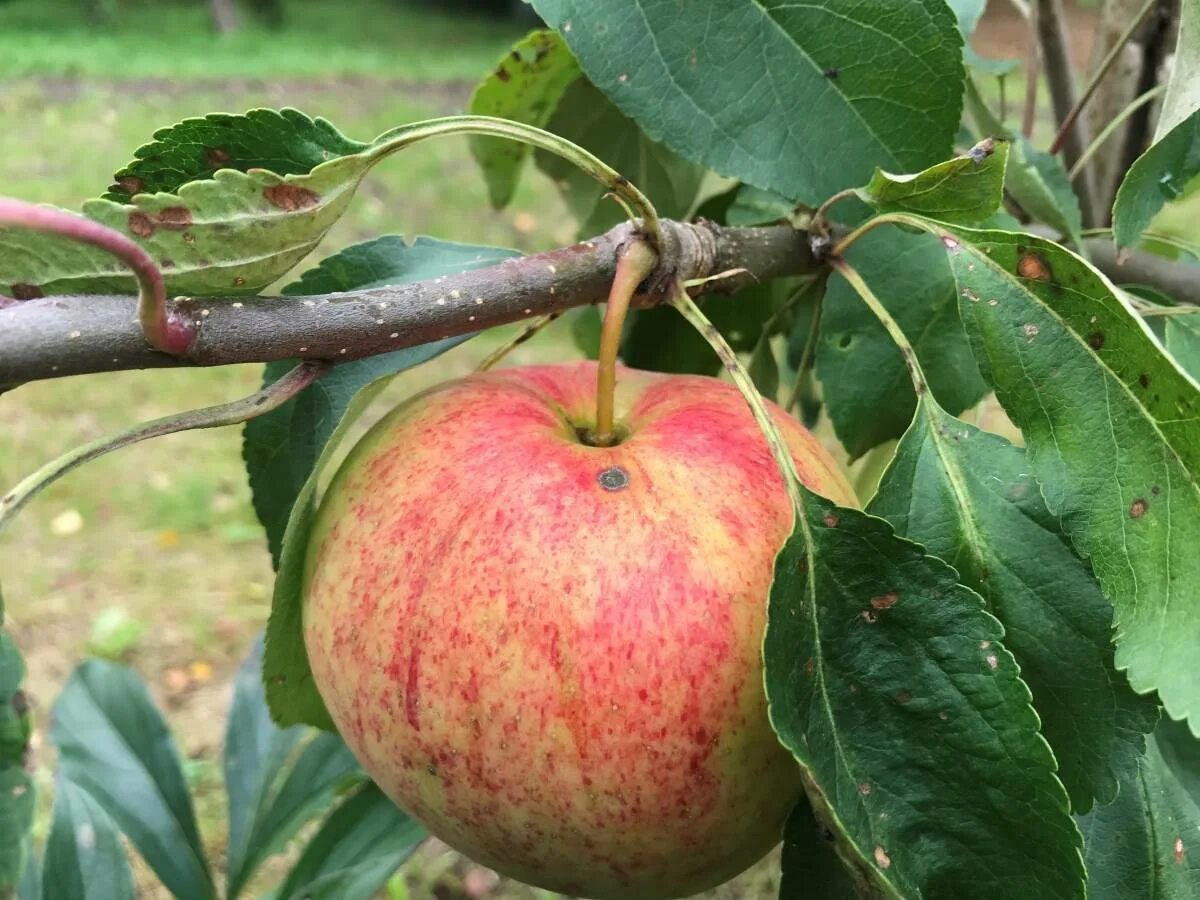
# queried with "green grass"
point(418, 40)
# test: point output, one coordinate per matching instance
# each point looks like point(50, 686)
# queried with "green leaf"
point(1113, 430)
point(281, 447)
point(771, 92)
point(661, 340)
point(920, 752)
point(16, 782)
point(525, 87)
point(1036, 180)
point(1181, 753)
point(764, 368)
point(913, 281)
point(355, 851)
point(1147, 843)
point(965, 189)
point(1182, 336)
point(286, 142)
point(1183, 88)
point(30, 886)
point(966, 496)
point(273, 790)
point(1157, 176)
point(810, 867)
point(114, 744)
point(85, 859)
point(585, 117)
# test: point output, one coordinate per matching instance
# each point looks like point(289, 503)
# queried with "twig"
point(529, 331)
point(1110, 129)
point(1068, 121)
point(1061, 80)
point(51, 337)
point(1033, 71)
point(271, 397)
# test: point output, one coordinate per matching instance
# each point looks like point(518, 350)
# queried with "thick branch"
point(52, 337)
point(1177, 280)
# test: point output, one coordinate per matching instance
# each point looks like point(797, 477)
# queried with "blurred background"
point(152, 556)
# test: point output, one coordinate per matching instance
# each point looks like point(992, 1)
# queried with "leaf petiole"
point(271, 397)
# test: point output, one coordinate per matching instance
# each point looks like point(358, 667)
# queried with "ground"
point(153, 556)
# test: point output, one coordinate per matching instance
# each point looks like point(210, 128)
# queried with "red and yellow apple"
point(548, 652)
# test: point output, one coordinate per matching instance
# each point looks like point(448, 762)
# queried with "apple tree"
point(978, 680)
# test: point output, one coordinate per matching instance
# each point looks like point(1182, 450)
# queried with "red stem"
point(167, 333)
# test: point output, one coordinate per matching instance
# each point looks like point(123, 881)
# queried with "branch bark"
point(1056, 61)
point(52, 337)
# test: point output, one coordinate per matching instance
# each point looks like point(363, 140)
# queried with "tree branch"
point(1178, 281)
point(51, 337)
point(1056, 62)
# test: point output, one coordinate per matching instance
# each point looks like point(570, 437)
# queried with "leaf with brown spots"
point(525, 87)
point(285, 141)
point(1099, 440)
point(1146, 844)
point(967, 497)
point(234, 233)
point(911, 693)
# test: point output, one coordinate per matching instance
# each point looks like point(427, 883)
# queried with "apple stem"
point(636, 263)
point(164, 330)
point(270, 397)
point(683, 302)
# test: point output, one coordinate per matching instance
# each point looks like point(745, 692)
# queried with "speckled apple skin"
point(561, 680)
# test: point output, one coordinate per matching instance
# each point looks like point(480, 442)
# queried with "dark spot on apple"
point(289, 197)
point(141, 224)
point(1096, 340)
point(175, 218)
point(1138, 508)
point(23, 291)
point(432, 769)
point(614, 478)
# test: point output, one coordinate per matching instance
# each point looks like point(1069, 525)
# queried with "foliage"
point(985, 675)
point(120, 777)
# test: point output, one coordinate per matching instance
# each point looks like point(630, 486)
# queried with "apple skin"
point(562, 679)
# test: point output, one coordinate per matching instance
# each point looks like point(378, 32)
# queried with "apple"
point(549, 653)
